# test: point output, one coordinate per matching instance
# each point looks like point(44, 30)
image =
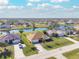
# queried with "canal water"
point(25, 30)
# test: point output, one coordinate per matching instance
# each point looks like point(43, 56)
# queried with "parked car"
point(20, 46)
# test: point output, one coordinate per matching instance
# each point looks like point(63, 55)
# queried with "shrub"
point(3, 44)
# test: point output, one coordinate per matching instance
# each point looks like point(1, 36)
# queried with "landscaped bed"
point(51, 58)
point(56, 43)
point(72, 54)
point(75, 37)
point(10, 54)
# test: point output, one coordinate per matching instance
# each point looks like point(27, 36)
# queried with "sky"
point(39, 8)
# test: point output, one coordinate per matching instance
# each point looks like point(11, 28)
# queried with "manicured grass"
point(51, 58)
point(56, 43)
point(29, 49)
point(75, 37)
point(41, 25)
point(11, 49)
point(22, 27)
point(72, 54)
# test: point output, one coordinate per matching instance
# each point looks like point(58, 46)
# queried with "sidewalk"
point(60, 56)
point(70, 39)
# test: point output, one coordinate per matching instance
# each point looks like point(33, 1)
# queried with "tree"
point(33, 25)
point(50, 27)
point(21, 31)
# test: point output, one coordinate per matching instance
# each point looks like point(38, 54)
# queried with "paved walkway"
point(40, 48)
point(70, 39)
point(60, 56)
point(18, 53)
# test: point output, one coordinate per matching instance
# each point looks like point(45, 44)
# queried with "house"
point(10, 38)
point(56, 32)
point(69, 22)
point(5, 26)
point(61, 33)
point(3, 33)
point(76, 27)
point(36, 37)
point(14, 31)
point(46, 38)
point(50, 32)
point(13, 26)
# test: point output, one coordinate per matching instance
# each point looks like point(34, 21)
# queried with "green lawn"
point(11, 49)
point(29, 49)
point(75, 37)
point(41, 25)
point(72, 54)
point(56, 43)
point(51, 58)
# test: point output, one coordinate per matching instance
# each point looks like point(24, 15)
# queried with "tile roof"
point(35, 35)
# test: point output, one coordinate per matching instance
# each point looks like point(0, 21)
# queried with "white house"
point(50, 32)
point(60, 32)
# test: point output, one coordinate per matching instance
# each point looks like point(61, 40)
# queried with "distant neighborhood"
point(31, 38)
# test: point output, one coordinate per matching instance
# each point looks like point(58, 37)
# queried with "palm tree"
point(50, 27)
point(55, 25)
point(33, 25)
point(21, 31)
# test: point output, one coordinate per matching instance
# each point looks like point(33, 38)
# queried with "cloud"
point(59, 0)
point(47, 6)
point(75, 6)
point(57, 6)
point(24, 13)
point(11, 7)
point(14, 7)
point(29, 4)
point(2, 7)
point(3, 2)
point(43, 5)
point(34, 0)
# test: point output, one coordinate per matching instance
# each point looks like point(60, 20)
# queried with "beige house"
point(35, 36)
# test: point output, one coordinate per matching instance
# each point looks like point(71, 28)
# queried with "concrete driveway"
point(40, 48)
point(18, 53)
